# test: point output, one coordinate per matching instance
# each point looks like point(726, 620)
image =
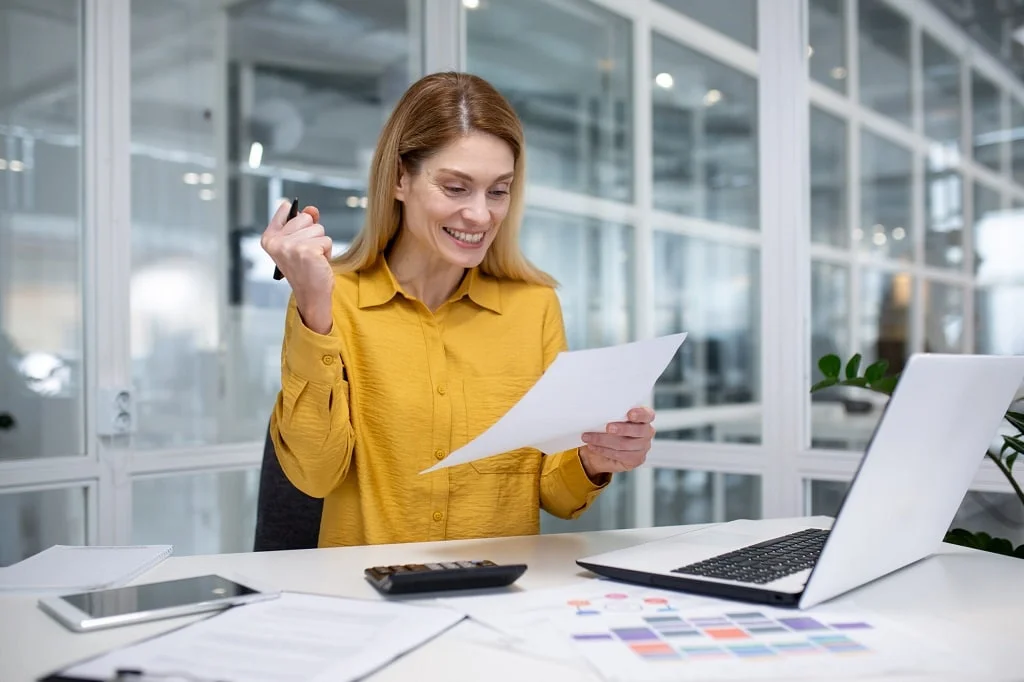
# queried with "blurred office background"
point(144, 142)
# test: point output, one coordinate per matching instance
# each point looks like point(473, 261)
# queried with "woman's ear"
point(402, 186)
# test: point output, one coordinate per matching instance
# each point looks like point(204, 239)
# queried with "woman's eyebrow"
point(469, 178)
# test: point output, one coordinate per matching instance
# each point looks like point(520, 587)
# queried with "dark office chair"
point(286, 517)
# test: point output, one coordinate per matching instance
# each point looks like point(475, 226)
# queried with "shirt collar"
point(377, 286)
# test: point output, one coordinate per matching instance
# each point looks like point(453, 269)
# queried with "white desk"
point(957, 589)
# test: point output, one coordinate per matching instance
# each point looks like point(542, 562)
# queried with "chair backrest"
point(286, 517)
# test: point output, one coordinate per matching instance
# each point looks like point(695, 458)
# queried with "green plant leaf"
point(824, 383)
point(1000, 546)
point(853, 367)
point(885, 385)
point(876, 371)
point(860, 382)
point(962, 537)
point(1010, 460)
point(1017, 419)
point(1015, 444)
point(1019, 552)
point(830, 365)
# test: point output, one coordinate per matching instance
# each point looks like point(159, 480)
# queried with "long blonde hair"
point(432, 113)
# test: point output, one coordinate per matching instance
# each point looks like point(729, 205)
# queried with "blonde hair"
point(433, 113)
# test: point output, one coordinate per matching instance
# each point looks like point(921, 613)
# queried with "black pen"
point(291, 214)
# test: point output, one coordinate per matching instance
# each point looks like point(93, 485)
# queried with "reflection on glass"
point(1000, 515)
point(736, 18)
point(986, 127)
point(830, 333)
point(711, 291)
point(41, 349)
point(885, 198)
point(682, 497)
point(593, 263)
point(34, 520)
point(613, 509)
point(827, 31)
point(204, 513)
point(941, 85)
point(704, 138)
point(884, 59)
point(1017, 151)
point(565, 67)
point(943, 211)
point(884, 327)
point(823, 498)
point(828, 180)
point(206, 317)
point(943, 318)
point(998, 243)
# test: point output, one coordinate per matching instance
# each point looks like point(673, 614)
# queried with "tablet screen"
point(162, 595)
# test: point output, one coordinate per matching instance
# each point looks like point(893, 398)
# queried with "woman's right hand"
point(302, 252)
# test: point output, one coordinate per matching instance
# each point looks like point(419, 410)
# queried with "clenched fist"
point(302, 252)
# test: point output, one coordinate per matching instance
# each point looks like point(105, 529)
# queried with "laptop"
point(919, 464)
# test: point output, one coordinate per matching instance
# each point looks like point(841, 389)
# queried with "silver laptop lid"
point(942, 417)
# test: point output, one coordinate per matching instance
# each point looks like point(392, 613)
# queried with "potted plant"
point(876, 378)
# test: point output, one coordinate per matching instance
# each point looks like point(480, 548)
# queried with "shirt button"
point(439, 453)
point(438, 516)
point(328, 359)
point(442, 389)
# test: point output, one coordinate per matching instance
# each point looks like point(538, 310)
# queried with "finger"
point(613, 443)
point(641, 415)
point(313, 212)
point(280, 216)
point(630, 429)
point(326, 245)
point(299, 222)
point(629, 460)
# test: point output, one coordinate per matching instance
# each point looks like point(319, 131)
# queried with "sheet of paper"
point(734, 641)
point(294, 637)
point(72, 568)
point(580, 391)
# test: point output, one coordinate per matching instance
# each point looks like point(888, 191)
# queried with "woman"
point(423, 334)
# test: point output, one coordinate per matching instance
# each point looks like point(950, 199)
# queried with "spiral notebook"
point(74, 568)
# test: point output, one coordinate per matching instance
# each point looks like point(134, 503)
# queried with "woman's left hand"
point(622, 447)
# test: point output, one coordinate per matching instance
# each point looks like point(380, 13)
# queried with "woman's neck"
point(428, 279)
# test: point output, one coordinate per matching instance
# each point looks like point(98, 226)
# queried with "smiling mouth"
point(465, 237)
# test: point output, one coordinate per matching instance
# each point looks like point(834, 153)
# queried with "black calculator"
point(445, 575)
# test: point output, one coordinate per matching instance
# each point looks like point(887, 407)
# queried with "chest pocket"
point(487, 401)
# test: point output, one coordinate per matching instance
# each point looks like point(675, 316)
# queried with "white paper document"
point(294, 637)
point(72, 568)
point(581, 391)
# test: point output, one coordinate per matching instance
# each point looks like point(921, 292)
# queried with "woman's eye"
point(454, 190)
point(499, 192)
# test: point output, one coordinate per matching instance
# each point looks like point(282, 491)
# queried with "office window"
point(986, 121)
point(682, 497)
point(711, 291)
point(34, 520)
point(736, 18)
point(566, 68)
point(199, 513)
point(943, 212)
point(830, 333)
point(943, 317)
point(884, 327)
point(206, 316)
point(998, 243)
point(704, 137)
point(41, 240)
point(885, 198)
point(593, 263)
point(884, 59)
point(614, 508)
point(827, 48)
point(1017, 150)
point(828, 180)
point(823, 498)
point(942, 97)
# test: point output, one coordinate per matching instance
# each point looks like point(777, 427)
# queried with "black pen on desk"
point(291, 214)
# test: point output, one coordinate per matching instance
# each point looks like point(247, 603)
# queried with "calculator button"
point(435, 567)
point(467, 564)
point(398, 569)
point(449, 564)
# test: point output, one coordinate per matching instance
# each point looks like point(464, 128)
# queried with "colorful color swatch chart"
point(625, 637)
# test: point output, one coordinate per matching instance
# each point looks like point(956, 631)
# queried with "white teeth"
point(467, 237)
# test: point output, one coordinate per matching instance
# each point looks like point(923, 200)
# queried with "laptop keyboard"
point(764, 562)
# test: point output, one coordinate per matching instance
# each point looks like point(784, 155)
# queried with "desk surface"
point(958, 590)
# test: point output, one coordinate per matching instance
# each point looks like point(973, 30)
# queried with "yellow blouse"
point(394, 388)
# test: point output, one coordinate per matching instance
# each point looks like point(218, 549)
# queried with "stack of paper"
point(68, 568)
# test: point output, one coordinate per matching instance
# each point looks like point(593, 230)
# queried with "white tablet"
point(87, 611)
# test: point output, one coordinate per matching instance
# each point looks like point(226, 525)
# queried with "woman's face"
point(455, 204)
